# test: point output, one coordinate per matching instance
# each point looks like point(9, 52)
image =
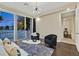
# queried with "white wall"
point(50, 24)
point(77, 27)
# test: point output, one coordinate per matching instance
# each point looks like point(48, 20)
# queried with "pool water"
point(10, 34)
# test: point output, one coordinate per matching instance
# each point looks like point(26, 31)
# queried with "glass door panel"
point(6, 25)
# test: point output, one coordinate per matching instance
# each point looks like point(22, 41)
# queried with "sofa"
point(8, 48)
point(2, 50)
point(51, 40)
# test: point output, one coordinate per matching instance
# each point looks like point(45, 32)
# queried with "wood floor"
point(64, 49)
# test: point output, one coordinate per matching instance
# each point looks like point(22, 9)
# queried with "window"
point(6, 25)
point(28, 27)
point(20, 27)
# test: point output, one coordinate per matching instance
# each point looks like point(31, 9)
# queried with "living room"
point(22, 21)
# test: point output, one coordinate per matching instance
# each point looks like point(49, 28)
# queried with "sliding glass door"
point(6, 25)
point(20, 27)
point(19, 30)
point(28, 27)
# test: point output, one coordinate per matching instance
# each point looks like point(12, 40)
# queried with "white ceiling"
point(29, 7)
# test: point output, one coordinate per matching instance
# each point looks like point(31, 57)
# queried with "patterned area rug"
point(36, 50)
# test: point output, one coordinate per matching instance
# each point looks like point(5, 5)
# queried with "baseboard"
point(58, 40)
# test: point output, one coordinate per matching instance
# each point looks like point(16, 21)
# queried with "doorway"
point(68, 25)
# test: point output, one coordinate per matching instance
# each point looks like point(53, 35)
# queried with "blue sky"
point(7, 19)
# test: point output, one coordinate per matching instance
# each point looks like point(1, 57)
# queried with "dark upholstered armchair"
point(51, 40)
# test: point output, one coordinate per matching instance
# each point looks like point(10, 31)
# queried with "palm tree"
point(20, 23)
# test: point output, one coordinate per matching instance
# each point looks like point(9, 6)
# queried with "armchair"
point(51, 40)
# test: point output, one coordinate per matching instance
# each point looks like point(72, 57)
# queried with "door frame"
point(61, 21)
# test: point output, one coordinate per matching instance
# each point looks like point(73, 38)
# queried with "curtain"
point(34, 25)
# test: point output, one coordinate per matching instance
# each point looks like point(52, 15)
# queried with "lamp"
point(37, 18)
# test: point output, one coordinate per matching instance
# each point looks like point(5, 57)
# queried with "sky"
point(7, 19)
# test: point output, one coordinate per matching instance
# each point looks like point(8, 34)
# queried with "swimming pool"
point(10, 34)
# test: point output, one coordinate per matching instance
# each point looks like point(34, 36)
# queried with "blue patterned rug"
point(36, 50)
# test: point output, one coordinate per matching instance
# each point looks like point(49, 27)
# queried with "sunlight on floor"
point(67, 40)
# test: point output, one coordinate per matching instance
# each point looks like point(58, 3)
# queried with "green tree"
point(20, 23)
point(1, 18)
point(1, 28)
point(7, 27)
